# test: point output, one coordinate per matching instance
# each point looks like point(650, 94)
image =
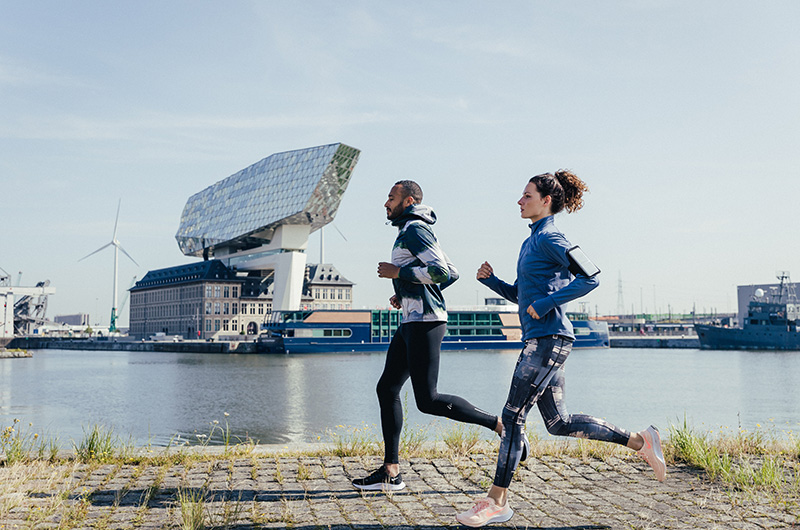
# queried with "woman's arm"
point(486, 276)
point(556, 246)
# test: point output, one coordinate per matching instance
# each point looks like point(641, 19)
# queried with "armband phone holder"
point(579, 263)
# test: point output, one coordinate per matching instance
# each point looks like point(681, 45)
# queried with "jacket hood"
point(416, 211)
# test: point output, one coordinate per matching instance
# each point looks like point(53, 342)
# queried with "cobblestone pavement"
point(263, 490)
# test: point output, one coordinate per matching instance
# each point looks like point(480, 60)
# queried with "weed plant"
point(19, 444)
point(100, 444)
point(749, 463)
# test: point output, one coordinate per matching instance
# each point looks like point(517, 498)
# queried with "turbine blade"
point(96, 251)
point(126, 253)
point(340, 232)
point(116, 221)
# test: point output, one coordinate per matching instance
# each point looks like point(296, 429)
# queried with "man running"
point(419, 271)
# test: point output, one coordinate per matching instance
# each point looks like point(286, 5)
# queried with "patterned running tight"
point(539, 379)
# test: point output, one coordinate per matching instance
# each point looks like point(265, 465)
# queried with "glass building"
point(241, 212)
point(259, 219)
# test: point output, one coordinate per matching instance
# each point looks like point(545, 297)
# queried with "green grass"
point(749, 464)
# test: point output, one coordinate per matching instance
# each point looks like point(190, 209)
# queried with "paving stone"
point(308, 492)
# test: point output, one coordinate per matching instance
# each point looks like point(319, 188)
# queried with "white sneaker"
point(651, 452)
point(484, 512)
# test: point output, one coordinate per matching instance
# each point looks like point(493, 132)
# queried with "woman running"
point(550, 273)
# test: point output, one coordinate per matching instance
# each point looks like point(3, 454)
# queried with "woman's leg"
point(560, 423)
point(538, 362)
point(423, 340)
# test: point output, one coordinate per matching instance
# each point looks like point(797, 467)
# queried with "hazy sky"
point(682, 117)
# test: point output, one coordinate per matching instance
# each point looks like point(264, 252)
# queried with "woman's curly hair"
point(565, 189)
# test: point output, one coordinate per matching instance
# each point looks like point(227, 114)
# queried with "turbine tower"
point(117, 247)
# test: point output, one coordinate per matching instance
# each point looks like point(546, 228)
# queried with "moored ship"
point(771, 323)
point(321, 331)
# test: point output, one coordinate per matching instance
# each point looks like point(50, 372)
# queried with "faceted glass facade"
point(242, 211)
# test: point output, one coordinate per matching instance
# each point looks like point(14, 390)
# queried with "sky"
point(682, 117)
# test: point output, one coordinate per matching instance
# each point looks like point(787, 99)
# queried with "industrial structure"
point(23, 308)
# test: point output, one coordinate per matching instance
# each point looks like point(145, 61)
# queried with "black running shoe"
point(379, 480)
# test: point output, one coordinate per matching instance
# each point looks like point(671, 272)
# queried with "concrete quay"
point(666, 341)
point(275, 489)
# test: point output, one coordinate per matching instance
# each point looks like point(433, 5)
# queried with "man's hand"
point(387, 270)
point(485, 271)
point(532, 312)
point(394, 301)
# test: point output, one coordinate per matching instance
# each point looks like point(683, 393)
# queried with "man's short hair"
point(410, 189)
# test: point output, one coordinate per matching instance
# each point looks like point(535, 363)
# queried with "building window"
point(252, 309)
point(347, 294)
point(260, 309)
point(208, 291)
point(234, 308)
point(234, 325)
point(316, 294)
point(208, 325)
point(216, 308)
point(244, 309)
point(235, 291)
point(224, 325)
point(208, 308)
point(324, 294)
point(226, 307)
point(226, 292)
point(216, 325)
point(339, 294)
point(216, 291)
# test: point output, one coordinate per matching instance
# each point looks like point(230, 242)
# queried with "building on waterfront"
point(78, 319)
point(208, 300)
point(326, 288)
point(259, 219)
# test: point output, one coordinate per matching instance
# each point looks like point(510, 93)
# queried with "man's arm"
point(423, 244)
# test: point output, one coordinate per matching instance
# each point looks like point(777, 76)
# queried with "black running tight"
point(414, 353)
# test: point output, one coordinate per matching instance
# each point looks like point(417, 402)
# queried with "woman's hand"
point(484, 271)
point(532, 312)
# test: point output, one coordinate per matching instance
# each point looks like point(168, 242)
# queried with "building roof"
point(242, 211)
point(194, 272)
point(326, 274)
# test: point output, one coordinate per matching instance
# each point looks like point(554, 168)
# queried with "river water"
point(151, 397)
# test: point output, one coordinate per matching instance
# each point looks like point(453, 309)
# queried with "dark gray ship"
point(771, 324)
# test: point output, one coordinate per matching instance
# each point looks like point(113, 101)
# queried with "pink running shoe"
point(651, 452)
point(485, 511)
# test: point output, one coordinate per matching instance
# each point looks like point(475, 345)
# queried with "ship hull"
point(343, 336)
point(748, 338)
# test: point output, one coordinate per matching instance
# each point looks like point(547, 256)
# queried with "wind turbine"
point(117, 247)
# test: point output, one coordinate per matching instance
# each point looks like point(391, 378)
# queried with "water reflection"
point(280, 399)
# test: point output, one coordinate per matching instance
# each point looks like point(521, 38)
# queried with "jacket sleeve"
point(453, 274)
point(434, 269)
point(556, 246)
point(509, 292)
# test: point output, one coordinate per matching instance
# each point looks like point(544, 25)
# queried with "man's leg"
point(395, 374)
point(423, 343)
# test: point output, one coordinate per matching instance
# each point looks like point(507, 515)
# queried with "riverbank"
point(14, 354)
point(309, 487)
point(113, 344)
point(249, 347)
